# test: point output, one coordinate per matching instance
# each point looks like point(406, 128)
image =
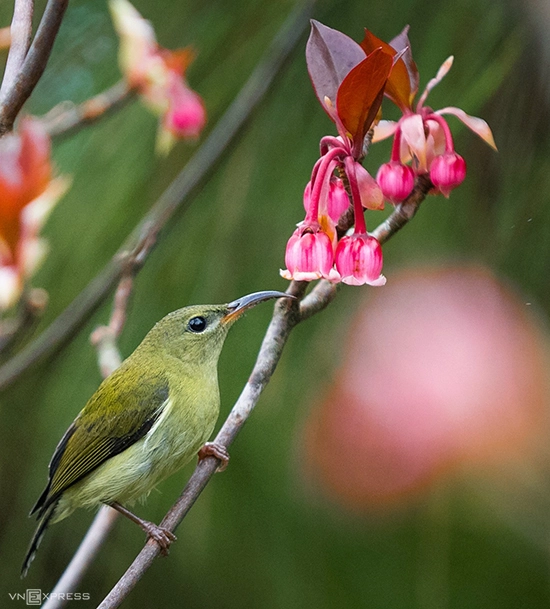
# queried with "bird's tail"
point(37, 538)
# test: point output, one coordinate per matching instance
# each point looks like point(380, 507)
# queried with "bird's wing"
point(120, 413)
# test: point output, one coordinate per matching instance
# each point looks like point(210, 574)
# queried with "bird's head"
point(197, 333)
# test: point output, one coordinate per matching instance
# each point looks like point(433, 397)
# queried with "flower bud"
point(338, 200)
point(396, 181)
point(358, 260)
point(447, 171)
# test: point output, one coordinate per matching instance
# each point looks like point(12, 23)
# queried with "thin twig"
point(67, 117)
point(174, 197)
point(34, 65)
point(20, 40)
point(287, 314)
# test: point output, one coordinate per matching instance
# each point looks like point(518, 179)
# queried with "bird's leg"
point(211, 449)
point(162, 536)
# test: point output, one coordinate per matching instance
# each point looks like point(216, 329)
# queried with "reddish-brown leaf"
point(403, 82)
point(330, 56)
point(360, 94)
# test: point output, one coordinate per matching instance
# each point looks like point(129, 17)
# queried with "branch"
point(20, 40)
point(67, 117)
point(30, 308)
point(287, 314)
point(174, 198)
point(34, 65)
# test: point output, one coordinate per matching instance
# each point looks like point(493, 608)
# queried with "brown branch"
point(34, 65)
point(20, 40)
point(67, 117)
point(287, 314)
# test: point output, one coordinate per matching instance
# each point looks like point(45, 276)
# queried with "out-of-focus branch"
point(85, 555)
point(67, 117)
point(174, 198)
point(287, 314)
point(20, 40)
point(30, 309)
point(13, 98)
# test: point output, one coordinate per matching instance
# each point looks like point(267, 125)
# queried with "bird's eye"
point(197, 324)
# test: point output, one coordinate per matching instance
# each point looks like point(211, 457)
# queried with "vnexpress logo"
point(35, 596)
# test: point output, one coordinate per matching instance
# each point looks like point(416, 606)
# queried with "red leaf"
point(330, 55)
point(402, 43)
point(360, 94)
point(403, 81)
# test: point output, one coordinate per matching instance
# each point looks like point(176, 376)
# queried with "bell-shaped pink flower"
point(309, 254)
point(395, 180)
point(447, 171)
point(358, 260)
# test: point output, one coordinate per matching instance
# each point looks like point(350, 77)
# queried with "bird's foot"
point(162, 536)
point(211, 449)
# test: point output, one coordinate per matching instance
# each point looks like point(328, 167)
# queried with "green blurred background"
point(259, 536)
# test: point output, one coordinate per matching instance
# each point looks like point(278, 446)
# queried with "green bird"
point(145, 421)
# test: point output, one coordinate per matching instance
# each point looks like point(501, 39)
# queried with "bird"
point(145, 421)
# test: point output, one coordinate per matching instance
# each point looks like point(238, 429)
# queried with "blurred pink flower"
point(445, 367)
point(158, 75)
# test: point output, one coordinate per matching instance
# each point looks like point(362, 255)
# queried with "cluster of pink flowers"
point(158, 75)
point(350, 81)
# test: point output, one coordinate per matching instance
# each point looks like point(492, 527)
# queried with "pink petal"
point(475, 124)
point(383, 130)
point(441, 73)
point(412, 134)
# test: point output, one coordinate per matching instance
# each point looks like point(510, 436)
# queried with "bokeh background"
point(399, 456)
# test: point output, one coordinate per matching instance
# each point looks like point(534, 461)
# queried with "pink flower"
point(158, 75)
point(358, 260)
point(396, 181)
point(447, 171)
point(309, 254)
point(423, 135)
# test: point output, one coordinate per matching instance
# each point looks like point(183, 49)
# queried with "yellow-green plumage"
point(146, 420)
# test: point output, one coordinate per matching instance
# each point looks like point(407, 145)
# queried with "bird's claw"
point(211, 449)
point(162, 536)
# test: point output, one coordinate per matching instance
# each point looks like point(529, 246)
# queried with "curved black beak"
point(236, 308)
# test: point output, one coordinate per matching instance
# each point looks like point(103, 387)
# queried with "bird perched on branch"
point(145, 421)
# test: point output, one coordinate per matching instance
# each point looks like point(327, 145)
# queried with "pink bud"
point(395, 180)
point(371, 195)
point(186, 115)
point(359, 260)
point(308, 254)
point(338, 200)
point(447, 171)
